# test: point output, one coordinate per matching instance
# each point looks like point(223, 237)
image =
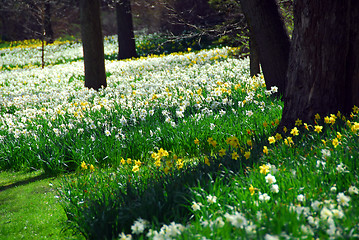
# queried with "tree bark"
point(92, 41)
point(49, 33)
point(254, 57)
point(126, 38)
point(323, 73)
point(272, 39)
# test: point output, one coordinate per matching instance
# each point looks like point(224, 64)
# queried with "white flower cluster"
point(135, 87)
point(54, 53)
point(167, 232)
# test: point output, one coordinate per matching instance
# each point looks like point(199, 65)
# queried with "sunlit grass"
point(28, 207)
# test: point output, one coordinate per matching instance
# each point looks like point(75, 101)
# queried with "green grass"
point(28, 207)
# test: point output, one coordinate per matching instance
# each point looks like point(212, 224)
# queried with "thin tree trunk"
point(126, 38)
point(92, 41)
point(323, 74)
point(272, 39)
point(42, 52)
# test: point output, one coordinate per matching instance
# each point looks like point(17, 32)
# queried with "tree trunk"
point(3, 26)
point(92, 42)
point(49, 33)
point(323, 72)
point(272, 39)
point(126, 38)
point(254, 57)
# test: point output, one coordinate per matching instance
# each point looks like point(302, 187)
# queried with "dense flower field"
point(178, 146)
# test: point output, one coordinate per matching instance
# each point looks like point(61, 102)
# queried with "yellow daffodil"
point(206, 161)
point(83, 165)
point(252, 190)
point(332, 119)
point(318, 128)
point(158, 163)
point(265, 150)
point(335, 142)
point(135, 168)
point(278, 136)
point(249, 143)
point(355, 127)
point(247, 155)
point(129, 160)
point(212, 142)
point(317, 116)
point(298, 122)
point(327, 120)
point(92, 168)
point(235, 156)
point(288, 141)
point(154, 96)
point(222, 152)
point(154, 156)
point(355, 109)
point(285, 130)
point(196, 141)
point(264, 169)
point(271, 140)
point(339, 135)
point(233, 141)
point(294, 131)
point(162, 153)
point(179, 163)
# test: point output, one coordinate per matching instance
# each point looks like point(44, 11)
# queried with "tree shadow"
point(24, 182)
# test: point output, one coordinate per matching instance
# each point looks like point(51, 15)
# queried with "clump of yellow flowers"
point(85, 166)
point(166, 163)
point(129, 161)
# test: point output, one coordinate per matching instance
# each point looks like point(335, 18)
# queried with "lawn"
point(178, 146)
point(29, 208)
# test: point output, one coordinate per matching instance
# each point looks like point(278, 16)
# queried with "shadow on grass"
point(24, 182)
point(159, 198)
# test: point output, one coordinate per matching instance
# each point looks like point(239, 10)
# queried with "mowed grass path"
point(28, 207)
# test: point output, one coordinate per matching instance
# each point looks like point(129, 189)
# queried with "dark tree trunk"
point(49, 33)
point(92, 41)
point(323, 73)
point(126, 38)
point(272, 40)
point(254, 57)
point(4, 26)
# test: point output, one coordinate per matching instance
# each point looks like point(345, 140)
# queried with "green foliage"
point(286, 9)
point(297, 190)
